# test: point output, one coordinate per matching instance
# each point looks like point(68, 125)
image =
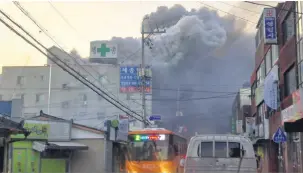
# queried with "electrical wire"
point(201, 98)
point(265, 5)
point(245, 9)
point(64, 62)
point(145, 38)
point(27, 14)
point(84, 81)
point(228, 13)
point(62, 16)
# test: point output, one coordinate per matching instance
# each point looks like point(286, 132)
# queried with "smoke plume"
point(200, 51)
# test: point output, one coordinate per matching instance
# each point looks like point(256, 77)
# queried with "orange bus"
point(154, 150)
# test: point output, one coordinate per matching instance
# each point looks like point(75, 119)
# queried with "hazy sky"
point(95, 20)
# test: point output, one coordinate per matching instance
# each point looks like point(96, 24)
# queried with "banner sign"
point(130, 80)
point(270, 26)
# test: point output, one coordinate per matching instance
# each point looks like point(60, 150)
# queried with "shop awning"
point(58, 146)
point(66, 145)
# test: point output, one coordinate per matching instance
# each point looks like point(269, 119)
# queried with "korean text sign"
point(270, 26)
point(130, 80)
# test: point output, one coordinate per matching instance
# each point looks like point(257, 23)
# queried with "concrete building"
point(281, 60)
point(69, 98)
point(241, 110)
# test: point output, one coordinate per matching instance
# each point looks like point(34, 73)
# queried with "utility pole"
point(49, 88)
point(178, 112)
point(178, 101)
point(143, 76)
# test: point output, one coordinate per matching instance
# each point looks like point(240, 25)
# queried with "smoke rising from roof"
point(199, 51)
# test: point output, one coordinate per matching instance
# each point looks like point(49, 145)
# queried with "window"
point(299, 26)
point(288, 27)
point(150, 150)
point(39, 98)
point(253, 90)
point(21, 96)
point(301, 72)
point(205, 149)
point(83, 99)
point(42, 77)
point(234, 150)
point(20, 80)
point(220, 149)
point(257, 38)
point(268, 62)
point(274, 54)
point(261, 74)
point(300, 50)
point(260, 113)
point(259, 34)
point(290, 81)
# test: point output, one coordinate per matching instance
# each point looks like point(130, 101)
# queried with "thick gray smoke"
point(199, 51)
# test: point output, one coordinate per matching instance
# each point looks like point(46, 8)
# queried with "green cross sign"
point(103, 50)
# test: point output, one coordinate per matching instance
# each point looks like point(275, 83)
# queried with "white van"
point(220, 153)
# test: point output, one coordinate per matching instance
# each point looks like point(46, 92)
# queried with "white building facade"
point(69, 98)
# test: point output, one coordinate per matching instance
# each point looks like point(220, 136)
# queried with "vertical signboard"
point(122, 134)
point(271, 89)
point(270, 26)
point(130, 80)
point(239, 126)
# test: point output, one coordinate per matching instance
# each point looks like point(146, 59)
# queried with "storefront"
point(292, 120)
point(47, 149)
point(117, 136)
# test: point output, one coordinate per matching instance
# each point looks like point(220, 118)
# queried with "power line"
point(61, 15)
point(265, 5)
point(256, 13)
point(27, 14)
point(200, 98)
point(228, 13)
point(84, 81)
point(203, 91)
point(46, 32)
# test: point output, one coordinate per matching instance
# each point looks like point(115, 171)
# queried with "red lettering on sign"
point(269, 13)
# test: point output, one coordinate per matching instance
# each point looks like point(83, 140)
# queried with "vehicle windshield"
point(150, 150)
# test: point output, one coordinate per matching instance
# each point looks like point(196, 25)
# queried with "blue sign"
point(270, 26)
point(155, 118)
point(130, 81)
point(279, 136)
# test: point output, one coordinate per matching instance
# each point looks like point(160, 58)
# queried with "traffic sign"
point(155, 117)
point(279, 136)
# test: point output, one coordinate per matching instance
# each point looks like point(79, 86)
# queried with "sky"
point(83, 22)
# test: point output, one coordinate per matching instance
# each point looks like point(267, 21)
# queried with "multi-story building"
point(241, 111)
point(69, 98)
point(278, 59)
